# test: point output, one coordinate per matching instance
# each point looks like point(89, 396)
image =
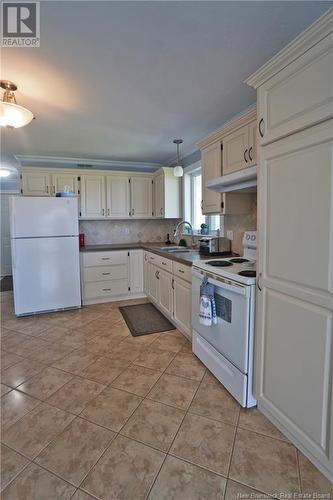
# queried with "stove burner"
point(248, 273)
point(238, 260)
point(219, 263)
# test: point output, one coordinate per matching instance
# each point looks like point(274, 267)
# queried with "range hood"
point(236, 181)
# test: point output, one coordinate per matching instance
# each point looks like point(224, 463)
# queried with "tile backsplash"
point(240, 223)
point(127, 231)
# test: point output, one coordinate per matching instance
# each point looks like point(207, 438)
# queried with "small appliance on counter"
point(210, 245)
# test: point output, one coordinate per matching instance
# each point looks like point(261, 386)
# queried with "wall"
point(240, 223)
point(127, 231)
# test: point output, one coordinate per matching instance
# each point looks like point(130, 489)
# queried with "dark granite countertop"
point(186, 258)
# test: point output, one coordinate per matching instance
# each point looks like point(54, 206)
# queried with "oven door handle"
point(222, 283)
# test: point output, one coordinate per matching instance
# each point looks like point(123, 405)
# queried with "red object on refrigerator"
point(81, 239)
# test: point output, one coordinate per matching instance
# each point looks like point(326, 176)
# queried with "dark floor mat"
point(143, 319)
point(6, 284)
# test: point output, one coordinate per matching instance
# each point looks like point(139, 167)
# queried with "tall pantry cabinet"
point(294, 322)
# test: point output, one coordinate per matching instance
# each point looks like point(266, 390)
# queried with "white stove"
point(240, 269)
point(226, 348)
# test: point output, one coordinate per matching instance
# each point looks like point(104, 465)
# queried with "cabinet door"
point(182, 305)
point(141, 197)
point(159, 196)
point(236, 150)
point(93, 196)
point(145, 273)
point(253, 143)
point(136, 271)
point(299, 96)
point(36, 183)
point(118, 197)
point(153, 282)
point(211, 164)
point(295, 302)
point(166, 292)
point(60, 181)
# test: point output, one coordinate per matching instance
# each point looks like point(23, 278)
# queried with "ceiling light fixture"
point(178, 170)
point(4, 172)
point(11, 114)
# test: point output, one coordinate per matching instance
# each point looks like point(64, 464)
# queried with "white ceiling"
point(120, 80)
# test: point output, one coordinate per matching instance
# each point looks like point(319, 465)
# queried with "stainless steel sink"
point(175, 249)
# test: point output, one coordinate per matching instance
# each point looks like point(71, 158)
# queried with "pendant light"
point(178, 169)
point(11, 114)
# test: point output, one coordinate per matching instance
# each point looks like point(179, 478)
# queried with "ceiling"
point(121, 80)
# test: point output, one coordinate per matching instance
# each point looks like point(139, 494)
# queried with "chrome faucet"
point(181, 223)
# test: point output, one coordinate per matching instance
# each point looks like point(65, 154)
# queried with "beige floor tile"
point(81, 495)
point(263, 463)
point(50, 354)
point(170, 341)
point(112, 408)
point(156, 359)
point(174, 391)
point(5, 389)
point(20, 372)
point(312, 480)
point(12, 340)
point(187, 365)
point(105, 370)
point(122, 351)
point(75, 361)
point(154, 424)
point(101, 345)
point(187, 347)
point(14, 406)
point(137, 380)
point(205, 442)
point(236, 491)
point(36, 430)
point(46, 383)
point(209, 378)
point(35, 483)
point(143, 341)
point(125, 472)
point(72, 454)
point(26, 347)
point(253, 420)
point(215, 402)
point(11, 465)
point(9, 359)
point(76, 394)
point(56, 333)
point(180, 480)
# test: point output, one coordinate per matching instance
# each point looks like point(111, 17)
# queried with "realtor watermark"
point(20, 24)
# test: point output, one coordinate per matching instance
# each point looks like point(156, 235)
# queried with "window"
point(193, 200)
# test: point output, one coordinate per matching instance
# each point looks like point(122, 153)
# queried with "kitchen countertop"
point(186, 258)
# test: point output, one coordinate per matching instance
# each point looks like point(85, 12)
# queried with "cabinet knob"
point(250, 151)
point(108, 212)
point(245, 156)
point(261, 123)
point(259, 282)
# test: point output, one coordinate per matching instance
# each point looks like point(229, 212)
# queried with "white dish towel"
point(207, 310)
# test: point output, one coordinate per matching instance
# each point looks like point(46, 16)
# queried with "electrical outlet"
point(230, 235)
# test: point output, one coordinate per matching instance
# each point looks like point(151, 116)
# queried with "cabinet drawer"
point(182, 271)
point(162, 262)
point(91, 259)
point(105, 288)
point(105, 273)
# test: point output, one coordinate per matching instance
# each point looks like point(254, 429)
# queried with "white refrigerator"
point(45, 254)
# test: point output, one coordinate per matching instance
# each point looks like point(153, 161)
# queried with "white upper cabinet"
point(118, 196)
point(61, 180)
point(141, 197)
point(37, 183)
point(211, 165)
point(93, 196)
point(167, 194)
point(240, 148)
point(299, 96)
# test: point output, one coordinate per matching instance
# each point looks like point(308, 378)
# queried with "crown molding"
point(70, 162)
point(236, 122)
point(301, 44)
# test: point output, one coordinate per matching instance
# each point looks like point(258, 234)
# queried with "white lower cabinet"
point(136, 271)
point(170, 290)
point(182, 304)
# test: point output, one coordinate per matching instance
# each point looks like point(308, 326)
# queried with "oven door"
point(230, 336)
